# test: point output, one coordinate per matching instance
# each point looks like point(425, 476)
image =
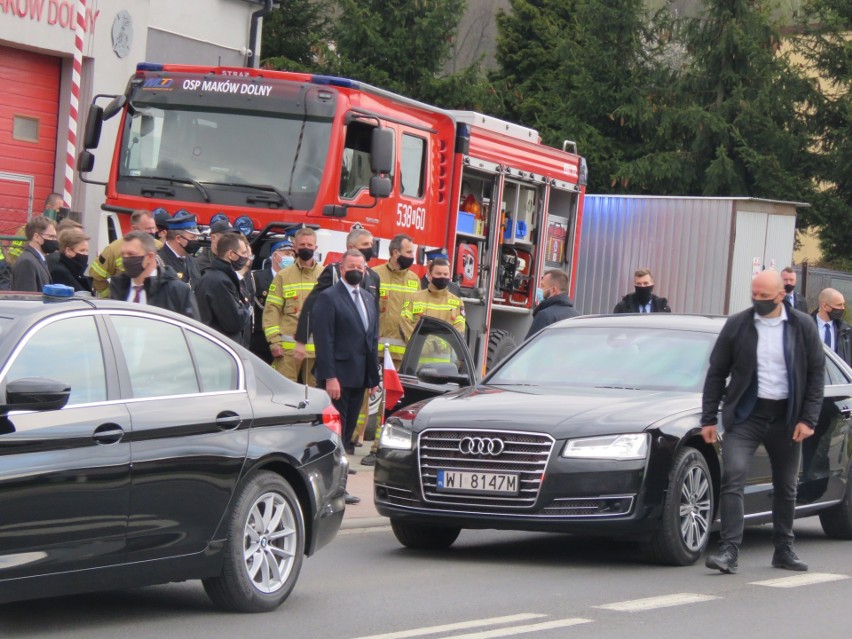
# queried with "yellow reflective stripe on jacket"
point(409, 287)
point(98, 269)
point(299, 286)
point(274, 299)
point(288, 343)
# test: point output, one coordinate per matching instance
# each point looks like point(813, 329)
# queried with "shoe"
point(369, 460)
point(353, 472)
point(350, 449)
point(725, 559)
point(786, 559)
point(357, 444)
point(351, 500)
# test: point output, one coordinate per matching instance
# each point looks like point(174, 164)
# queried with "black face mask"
point(367, 253)
point(836, 314)
point(305, 254)
point(134, 266)
point(643, 294)
point(404, 262)
point(764, 307)
point(192, 246)
point(49, 246)
point(239, 263)
point(440, 282)
point(82, 261)
point(353, 278)
point(789, 288)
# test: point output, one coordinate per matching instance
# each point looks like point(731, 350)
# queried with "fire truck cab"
point(269, 148)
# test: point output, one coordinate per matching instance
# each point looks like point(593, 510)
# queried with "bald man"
point(836, 333)
point(775, 360)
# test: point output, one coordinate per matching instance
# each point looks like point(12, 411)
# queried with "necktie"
point(790, 300)
point(359, 304)
point(137, 293)
point(827, 337)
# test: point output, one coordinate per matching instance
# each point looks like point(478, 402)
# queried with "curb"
point(364, 522)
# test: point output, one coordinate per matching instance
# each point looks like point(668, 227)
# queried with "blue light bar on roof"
point(334, 81)
point(149, 66)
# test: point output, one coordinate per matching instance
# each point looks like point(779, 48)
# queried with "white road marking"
point(795, 581)
point(650, 603)
point(462, 625)
point(517, 630)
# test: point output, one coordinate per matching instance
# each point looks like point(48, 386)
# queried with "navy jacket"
point(844, 338)
point(551, 310)
point(735, 354)
point(329, 277)
point(344, 349)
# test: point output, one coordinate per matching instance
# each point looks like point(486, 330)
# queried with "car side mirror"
point(380, 186)
point(381, 151)
point(94, 123)
point(36, 393)
point(442, 373)
point(85, 162)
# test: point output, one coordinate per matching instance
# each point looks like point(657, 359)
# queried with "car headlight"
point(632, 446)
point(395, 437)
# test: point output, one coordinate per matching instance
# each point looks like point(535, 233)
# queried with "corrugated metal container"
point(702, 252)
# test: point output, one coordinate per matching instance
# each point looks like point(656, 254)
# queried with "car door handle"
point(228, 420)
point(846, 412)
point(108, 434)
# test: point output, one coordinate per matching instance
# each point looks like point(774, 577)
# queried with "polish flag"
point(392, 385)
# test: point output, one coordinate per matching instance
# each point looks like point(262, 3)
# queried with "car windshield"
point(611, 357)
point(273, 152)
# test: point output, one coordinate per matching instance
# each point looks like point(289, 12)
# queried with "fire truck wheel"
point(500, 344)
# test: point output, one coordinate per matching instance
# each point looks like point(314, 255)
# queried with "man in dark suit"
point(775, 360)
point(30, 272)
point(833, 331)
point(642, 299)
point(346, 334)
point(793, 299)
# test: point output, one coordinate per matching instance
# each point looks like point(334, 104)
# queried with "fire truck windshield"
point(224, 157)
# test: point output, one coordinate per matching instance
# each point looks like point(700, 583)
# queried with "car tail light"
point(331, 419)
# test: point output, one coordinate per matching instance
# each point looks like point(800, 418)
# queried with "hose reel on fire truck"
point(513, 275)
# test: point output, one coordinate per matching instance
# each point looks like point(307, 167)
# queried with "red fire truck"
point(268, 148)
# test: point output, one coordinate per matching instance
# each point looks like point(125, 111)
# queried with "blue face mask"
point(539, 295)
point(286, 261)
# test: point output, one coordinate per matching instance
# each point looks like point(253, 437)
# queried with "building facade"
point(38, 45)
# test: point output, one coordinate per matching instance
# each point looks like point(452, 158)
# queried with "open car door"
point(436, 361)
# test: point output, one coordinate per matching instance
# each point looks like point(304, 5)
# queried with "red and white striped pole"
point(73, 112)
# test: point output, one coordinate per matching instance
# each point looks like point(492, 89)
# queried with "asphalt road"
point(490, 584)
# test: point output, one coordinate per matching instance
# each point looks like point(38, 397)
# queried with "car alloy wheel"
point(269, 542)
point(687, 512)
point(265, 546)
point(695, 504)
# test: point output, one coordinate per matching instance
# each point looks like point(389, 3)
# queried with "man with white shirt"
point(776, 365)
point(146, 280)
point(833, 331)
point(346, 335)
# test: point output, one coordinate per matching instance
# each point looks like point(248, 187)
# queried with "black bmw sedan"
point(138, 447)
point(591, 427)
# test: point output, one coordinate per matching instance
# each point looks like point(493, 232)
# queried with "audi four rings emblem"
point(482, 446)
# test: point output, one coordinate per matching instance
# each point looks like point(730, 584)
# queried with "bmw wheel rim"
point(695, 509)
point(269, 542)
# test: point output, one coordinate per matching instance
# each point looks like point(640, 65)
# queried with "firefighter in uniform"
point(398, 284)
point(284, 303)
point(438, 302)
point(281, 255)
point(109, 261)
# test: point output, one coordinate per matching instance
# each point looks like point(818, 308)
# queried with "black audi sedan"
point(138, 447)
point(592, 427)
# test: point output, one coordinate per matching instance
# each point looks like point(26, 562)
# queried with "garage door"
point(29, 106)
